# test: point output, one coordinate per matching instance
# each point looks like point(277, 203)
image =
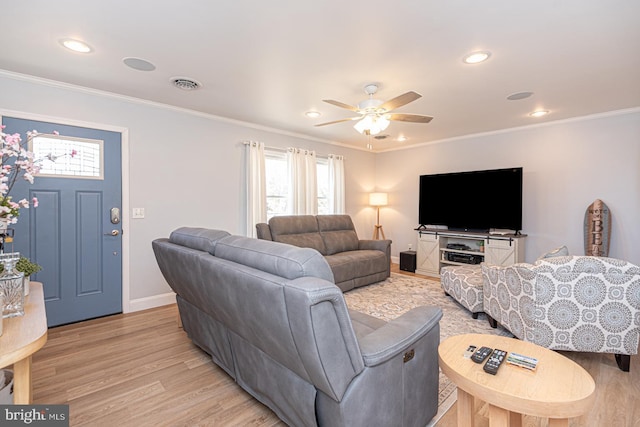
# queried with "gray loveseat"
point(270, 316)
point(354, 262)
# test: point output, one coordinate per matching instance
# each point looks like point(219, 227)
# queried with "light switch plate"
point(138, 213)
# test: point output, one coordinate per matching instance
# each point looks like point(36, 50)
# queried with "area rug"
point(400, 293)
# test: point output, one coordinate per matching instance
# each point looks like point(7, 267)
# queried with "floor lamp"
point(377, 200)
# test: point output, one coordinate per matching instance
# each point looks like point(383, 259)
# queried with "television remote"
point(470, 350)
point(481, 354)
point(494, 362)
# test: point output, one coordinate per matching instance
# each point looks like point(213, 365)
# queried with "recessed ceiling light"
point(313, 114)
point(476, 57)
point(139, 64)
point(401, 138)
point(539, 113)
point(519, 95)
point(76, 45)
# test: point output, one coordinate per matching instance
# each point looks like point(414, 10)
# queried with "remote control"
point(481, 354)
point(467, 354)
point(494, 362)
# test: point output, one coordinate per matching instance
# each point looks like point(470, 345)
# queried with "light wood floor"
point(140, 369)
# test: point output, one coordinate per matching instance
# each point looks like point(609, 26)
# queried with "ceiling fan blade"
point(414, 118)
point(341, 104)
point(339, 121)
point(401, 100)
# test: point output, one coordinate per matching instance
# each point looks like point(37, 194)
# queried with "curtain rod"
point(284, 150)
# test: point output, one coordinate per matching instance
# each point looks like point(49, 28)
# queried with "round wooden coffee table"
point(558, 389)
point(23, 336)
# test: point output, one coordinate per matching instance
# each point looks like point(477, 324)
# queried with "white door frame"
point(126, 303)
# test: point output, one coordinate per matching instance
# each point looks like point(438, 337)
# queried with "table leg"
point(465, 409)
point(22, 382)
point(498, 417)
point(558, 422)
point(515, 419)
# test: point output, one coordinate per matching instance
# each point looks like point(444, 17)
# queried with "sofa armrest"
point(506, 290)
point(399, 334)
point(377, 245)
point(383, 246)
point(263, 231)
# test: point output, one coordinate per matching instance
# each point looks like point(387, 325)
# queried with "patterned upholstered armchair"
point(575, 303)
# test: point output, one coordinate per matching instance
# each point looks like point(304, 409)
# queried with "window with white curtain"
point(277, 184)
point(322, 171)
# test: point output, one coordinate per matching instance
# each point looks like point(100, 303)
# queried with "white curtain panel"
point(303, 186)
point(336, 184)
point(256, 187)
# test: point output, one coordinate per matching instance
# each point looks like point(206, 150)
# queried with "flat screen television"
point(472, 201)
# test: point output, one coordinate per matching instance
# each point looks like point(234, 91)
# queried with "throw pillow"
point(560, 251)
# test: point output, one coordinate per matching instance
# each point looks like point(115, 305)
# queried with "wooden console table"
point(559, 389)
point(23, 336)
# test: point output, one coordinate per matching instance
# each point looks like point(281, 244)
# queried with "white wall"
point(185, 169)
point(567, 165)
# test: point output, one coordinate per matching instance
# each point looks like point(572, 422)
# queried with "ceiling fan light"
point(372, 123)
point(382, 123)
point(365, 124)
point(378, 124)
point(360, 126)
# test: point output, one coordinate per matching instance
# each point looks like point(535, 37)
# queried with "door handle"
point(113, 233)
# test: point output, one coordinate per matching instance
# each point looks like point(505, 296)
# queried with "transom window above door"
point(68, 157)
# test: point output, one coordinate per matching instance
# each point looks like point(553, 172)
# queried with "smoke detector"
point(185, 83)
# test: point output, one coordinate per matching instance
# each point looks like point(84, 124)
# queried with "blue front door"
point(75, 232)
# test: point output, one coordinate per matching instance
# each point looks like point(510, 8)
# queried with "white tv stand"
point(435, 249)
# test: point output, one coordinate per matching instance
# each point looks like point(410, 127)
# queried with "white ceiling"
point(267, 62)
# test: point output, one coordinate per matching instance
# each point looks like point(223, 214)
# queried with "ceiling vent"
point(185, 83)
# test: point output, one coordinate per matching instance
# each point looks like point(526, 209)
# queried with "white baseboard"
point(395, 259)
point(152, 302)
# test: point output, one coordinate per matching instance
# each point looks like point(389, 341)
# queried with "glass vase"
point(11, 286)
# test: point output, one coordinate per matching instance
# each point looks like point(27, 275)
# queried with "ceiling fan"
point(375, 115)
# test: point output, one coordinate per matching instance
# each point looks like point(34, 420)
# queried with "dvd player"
point(464, 258)
point(458, 246)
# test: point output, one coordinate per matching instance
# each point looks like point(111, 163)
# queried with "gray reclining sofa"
point(354, 262)
point(269, 315)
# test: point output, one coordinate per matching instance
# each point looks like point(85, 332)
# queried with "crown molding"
point(140, 101)
point(588, 117)
point(155, 104)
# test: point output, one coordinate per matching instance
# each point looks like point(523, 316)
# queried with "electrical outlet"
point(410, 246)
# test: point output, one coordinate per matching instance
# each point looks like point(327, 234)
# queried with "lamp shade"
point(372, 123)
point(383, 123)
point(365, 124)
point(378, 199)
